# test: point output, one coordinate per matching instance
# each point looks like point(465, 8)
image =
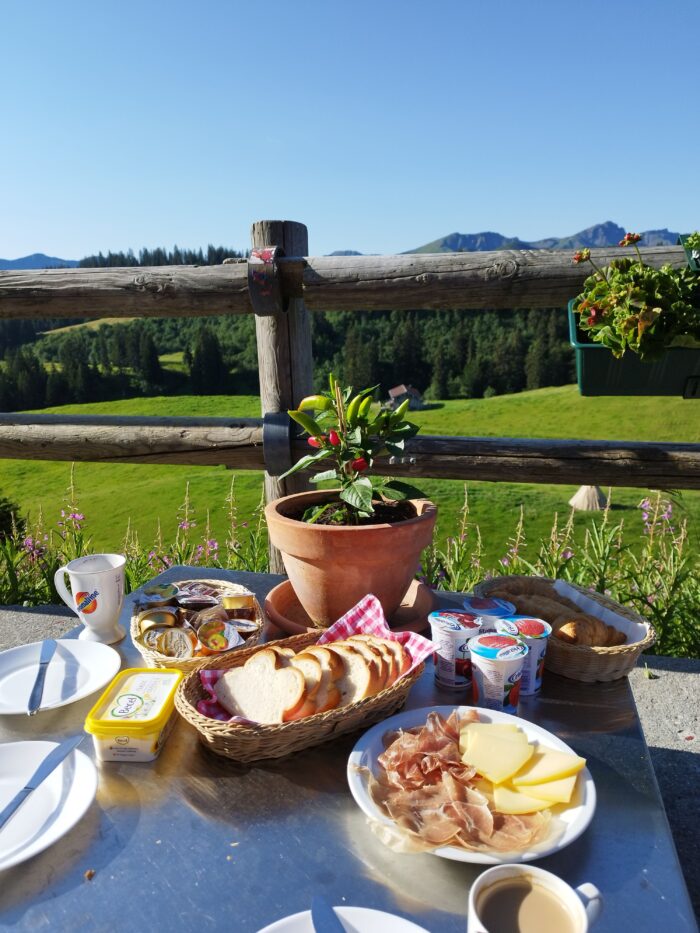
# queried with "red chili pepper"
point(316, 441)
point(360, 465)
point(333, 439)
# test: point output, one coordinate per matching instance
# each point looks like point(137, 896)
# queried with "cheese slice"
point(504, 730)
point(548, 765)
point(509, 799)
point(496, 757)
point(558, 791)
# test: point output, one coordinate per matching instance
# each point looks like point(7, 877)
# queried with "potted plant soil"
point(366, 535)
point(642, 325)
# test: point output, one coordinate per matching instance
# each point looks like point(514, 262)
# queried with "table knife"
point(49, 764)
point(324, 918)
point(47, 650)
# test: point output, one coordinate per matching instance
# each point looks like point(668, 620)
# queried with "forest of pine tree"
point(445, 354)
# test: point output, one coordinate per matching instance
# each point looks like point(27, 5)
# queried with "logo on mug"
point(86, 602)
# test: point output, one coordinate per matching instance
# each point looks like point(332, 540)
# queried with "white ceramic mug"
point(583, 903)
point(97, 584)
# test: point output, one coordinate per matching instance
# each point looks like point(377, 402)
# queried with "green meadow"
point(114, 495)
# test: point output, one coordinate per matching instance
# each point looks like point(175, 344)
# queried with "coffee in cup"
point(525, 899)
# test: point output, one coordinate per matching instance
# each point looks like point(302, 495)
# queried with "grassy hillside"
point(111, 495)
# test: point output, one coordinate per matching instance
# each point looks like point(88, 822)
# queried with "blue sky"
point(380, 124)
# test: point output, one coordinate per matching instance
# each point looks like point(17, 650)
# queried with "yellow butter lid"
point(139, 700)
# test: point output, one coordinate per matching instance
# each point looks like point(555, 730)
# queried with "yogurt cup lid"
point(497, 647)
point(454, 621)
point(488, 606)
point(524, 626)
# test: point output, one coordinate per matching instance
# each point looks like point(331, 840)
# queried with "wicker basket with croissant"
point(582, 646)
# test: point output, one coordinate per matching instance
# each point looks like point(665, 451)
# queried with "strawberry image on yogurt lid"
point(497, 646)
point(453, 621)
point(525, 626)
point(488, 606)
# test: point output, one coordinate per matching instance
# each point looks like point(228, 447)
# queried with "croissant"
point(584, 629)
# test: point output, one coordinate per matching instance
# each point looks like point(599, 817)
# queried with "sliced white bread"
point(359, 680)
point(390, 658)
point(310, 667)
point(374, 656)
point(262, 689)
point(327, 696)
point(403, 658)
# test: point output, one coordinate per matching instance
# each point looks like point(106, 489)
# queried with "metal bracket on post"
point(264, 287)
point(277, 442)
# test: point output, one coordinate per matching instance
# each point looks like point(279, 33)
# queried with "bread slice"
point(374, 656)
point(358, 680)
point(401, 655)
point(381, 645)
point(262, 689)
point(310, 667)
point(327, 695)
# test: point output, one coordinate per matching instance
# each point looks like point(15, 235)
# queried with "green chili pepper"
point(307, 422)
point(365, 407)
point(314, 403)
point(353, 408)
point(397, 416)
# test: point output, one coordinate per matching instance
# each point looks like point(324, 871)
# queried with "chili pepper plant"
point(630, 305)
point(346, 431)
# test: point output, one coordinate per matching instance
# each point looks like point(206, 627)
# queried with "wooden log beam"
point(539, 460)
point(496, 280)
point(235, 443)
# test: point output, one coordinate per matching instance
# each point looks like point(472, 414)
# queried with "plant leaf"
point(395, 489)
point(307, 461)
point(359, 495)
point(322, 477)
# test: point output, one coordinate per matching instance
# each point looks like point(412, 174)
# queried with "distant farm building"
point(399, 394)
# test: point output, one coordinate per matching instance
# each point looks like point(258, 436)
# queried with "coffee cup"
point(96, 595)
point(525, 899)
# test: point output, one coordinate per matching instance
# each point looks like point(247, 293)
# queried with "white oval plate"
point(52, 809)
point(353, 919)
point(574, 818)
point(77, 669)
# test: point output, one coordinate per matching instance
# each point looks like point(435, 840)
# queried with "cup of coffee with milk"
point(96, 594)
point(525, 899)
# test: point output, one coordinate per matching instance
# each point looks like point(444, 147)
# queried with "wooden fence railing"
point(280, 286)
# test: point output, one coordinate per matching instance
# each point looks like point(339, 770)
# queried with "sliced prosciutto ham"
point(426, 789)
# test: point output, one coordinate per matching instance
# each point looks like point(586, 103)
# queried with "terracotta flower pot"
point(332, 567)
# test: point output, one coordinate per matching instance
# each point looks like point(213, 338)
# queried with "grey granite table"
point(196, 842)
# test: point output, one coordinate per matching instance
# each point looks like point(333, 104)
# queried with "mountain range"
point(599, 235)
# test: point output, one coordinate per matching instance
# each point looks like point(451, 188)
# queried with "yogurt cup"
point(497, 665)
point(535, 634)
point(489, 608)
point(451, 632)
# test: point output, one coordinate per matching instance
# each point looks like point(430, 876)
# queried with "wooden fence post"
point(285, 362)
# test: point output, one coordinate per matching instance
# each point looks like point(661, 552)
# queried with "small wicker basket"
point(584, 662)
point(156, 659)
point(253, 743)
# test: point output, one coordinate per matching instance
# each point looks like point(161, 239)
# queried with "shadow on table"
point(678, 776)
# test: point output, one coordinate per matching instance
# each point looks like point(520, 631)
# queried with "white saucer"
point(77, 669)
point(52, 809)
point(354, 919)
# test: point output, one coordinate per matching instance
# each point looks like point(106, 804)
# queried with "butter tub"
point(134, 716)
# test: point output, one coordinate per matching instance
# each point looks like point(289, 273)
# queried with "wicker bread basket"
point(252, 743)
point(156, 659)
point(584, 662)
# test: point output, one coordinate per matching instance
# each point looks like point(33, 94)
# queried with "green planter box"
point(599, 373)
point(691, 255)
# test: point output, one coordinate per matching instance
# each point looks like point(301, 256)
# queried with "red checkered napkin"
point(366, 618)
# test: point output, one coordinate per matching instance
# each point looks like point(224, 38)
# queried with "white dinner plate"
point(77, 669)
point(354, 919)
point(572, 819)
point(52, 809)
